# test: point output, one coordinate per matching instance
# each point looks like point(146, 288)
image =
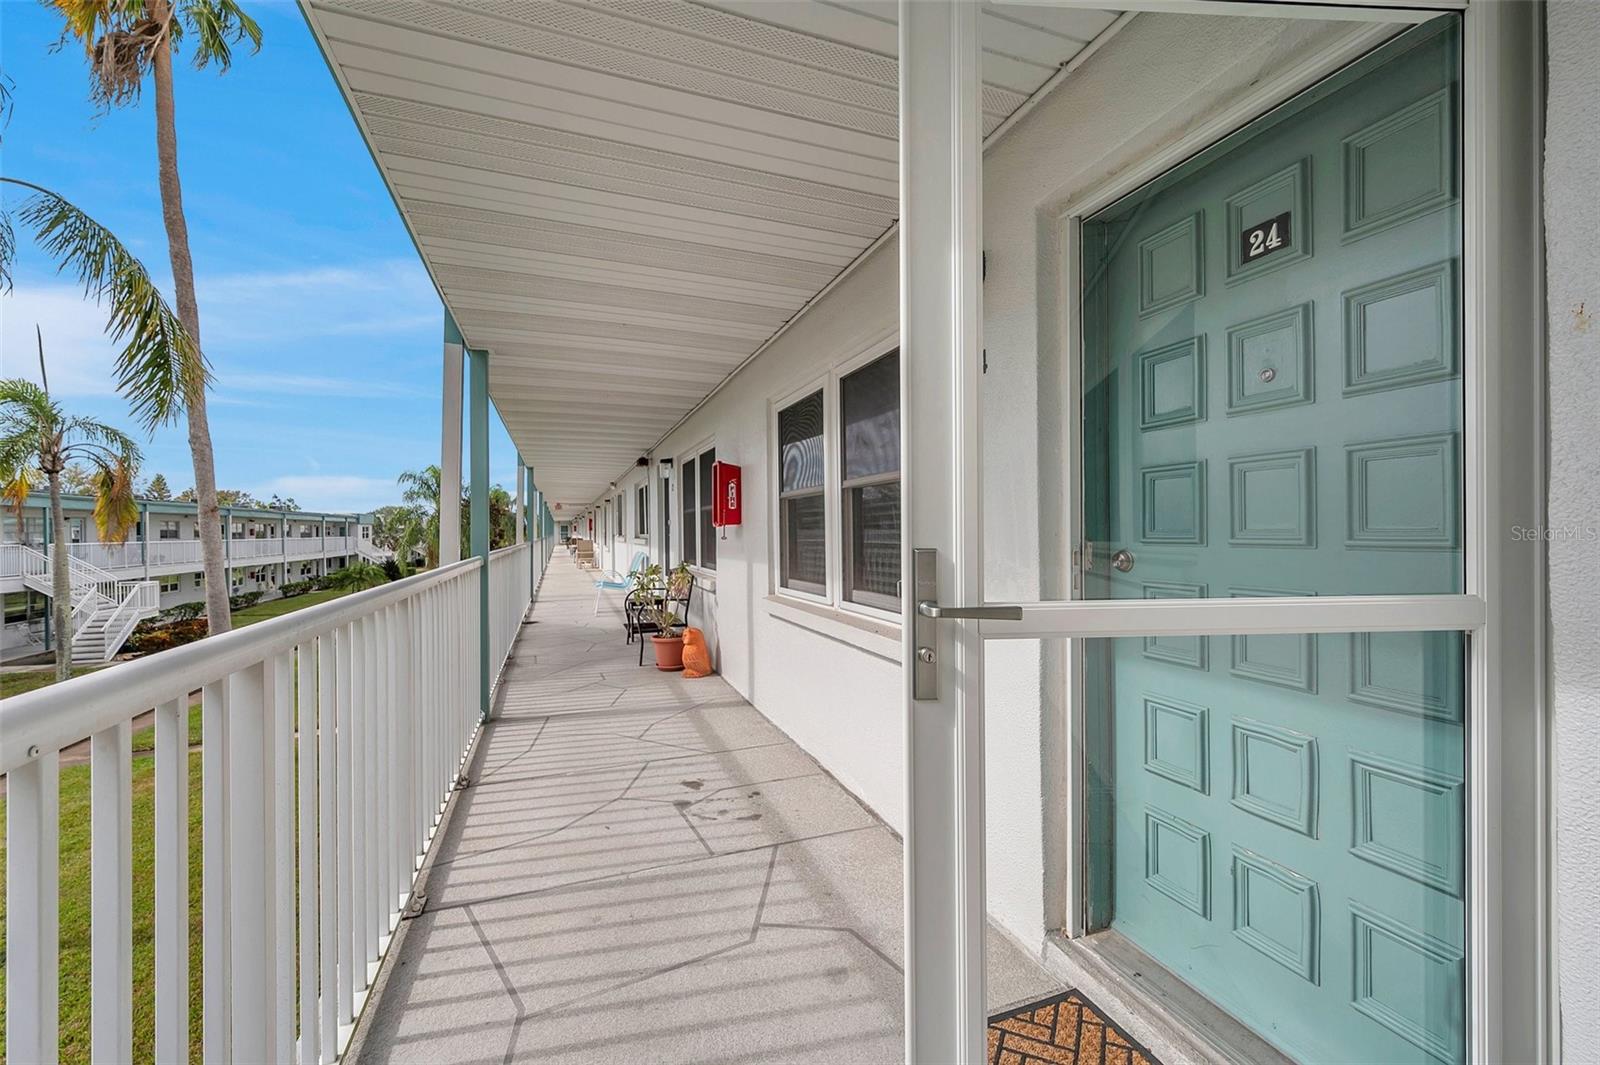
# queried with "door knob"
point(1122, 560)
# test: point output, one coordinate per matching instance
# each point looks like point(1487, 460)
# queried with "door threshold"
point(1175, 1021)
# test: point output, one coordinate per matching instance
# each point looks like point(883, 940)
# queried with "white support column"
point(450, 449)
point(940, 268)
point(517, 504)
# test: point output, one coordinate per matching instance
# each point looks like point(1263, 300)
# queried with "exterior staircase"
point(104, 608)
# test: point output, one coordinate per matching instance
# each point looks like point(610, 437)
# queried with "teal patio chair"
point(618, 582)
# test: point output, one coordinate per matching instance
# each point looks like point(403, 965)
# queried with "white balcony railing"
point(331, 740)
point(123, 559)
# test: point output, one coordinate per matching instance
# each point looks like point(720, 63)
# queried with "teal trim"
point(478, 416)
point(452, 332)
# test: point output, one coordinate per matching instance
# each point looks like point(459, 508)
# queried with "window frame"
point(682, 483)
point(641, 507)
point(829, 381)
point(840, 372)
point(827, 384)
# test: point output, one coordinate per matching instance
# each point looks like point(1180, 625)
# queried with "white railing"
point(509, 594)
point(174, 552)
point(117, 559)
point(332, 738)
point(142, 600)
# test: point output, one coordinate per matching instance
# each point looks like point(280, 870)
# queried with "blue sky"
point(322, 327)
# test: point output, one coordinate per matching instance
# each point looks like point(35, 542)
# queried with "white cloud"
point(331, 491)
point(77, 354)
point(312, 385)
point(289, 311)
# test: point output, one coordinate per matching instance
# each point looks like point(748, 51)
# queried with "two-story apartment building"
point(266, 549)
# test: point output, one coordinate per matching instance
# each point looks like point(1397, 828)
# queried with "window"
point(708, 533)
point(169, 584)
point(640, 512)
point(618, 524)
point(694, 505)
point(168, 529)
point(802, 509)
point(686, 508)
point(869, 414)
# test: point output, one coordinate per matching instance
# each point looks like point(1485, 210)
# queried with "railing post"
point(111, 893)
point(33, 817)
point(479, 362)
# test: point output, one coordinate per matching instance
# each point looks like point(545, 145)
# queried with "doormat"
point(1065, 1029)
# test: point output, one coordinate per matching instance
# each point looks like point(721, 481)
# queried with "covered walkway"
point(643, 868)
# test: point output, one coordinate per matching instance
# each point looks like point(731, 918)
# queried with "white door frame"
point(1509, 934)
point(940, 325)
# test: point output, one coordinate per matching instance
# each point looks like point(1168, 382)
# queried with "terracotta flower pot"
point(669, 652)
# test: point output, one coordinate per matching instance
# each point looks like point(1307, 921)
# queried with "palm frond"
point(115, 511)
point(160, 369)
point(24, 406)
point(218, 25)
point(99, 433)
point(8, 251)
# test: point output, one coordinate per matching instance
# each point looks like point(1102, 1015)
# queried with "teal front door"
point(1272, 407)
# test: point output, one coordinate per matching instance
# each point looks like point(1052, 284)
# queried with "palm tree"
point(359, 576)
point(124, 41)
point(420, 490)
point(37, 437)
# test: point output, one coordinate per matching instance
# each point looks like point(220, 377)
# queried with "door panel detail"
point(1275, 774)
point(1175, 742)
point(1408, 818)
point(1273, 499)
point(1172, 384)
point(1276, 911)
point(1384, 673)
point(1287, 191)
point(1270, 362)
point(1172, 266)
point(1188, 651)
point(1410, 982)
point(1289, 661)
point(1401, 330)
point(1174, 504)
point(1404, 493)
point(1177, 860)
point(1400, 167)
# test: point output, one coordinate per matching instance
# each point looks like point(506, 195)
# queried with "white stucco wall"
point(1157, 79)
point(1572, 220)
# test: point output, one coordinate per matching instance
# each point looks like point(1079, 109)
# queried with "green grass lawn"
point(17, 681)
point(278, 607)
point(75, 847)
point(75, 1007)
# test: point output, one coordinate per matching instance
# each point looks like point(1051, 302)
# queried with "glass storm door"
point(1272, 409)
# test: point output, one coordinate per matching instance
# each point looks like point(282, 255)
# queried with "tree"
point(77, 479)
point(358, 576)
point(124, 41)
point(238, 497)
point(157, 488)
point(38, 437)
point(281, 503)
point(420, 490)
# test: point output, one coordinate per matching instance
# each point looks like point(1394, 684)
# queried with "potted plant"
point(678, 581)
point(668, 638)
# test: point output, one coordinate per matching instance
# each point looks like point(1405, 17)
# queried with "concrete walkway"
point(645, 869)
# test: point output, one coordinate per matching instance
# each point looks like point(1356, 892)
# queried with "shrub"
point(182, 611)
point(294, 588)
point(243, 600)
point(392, 570)
point(149, 637)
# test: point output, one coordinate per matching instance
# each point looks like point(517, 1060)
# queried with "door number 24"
point(1262, 240)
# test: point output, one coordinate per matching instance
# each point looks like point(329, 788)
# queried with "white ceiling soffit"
point(621, 200)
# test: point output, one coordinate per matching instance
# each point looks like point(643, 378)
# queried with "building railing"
point(509, 586)
point(120, 559)
point(331, 740)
